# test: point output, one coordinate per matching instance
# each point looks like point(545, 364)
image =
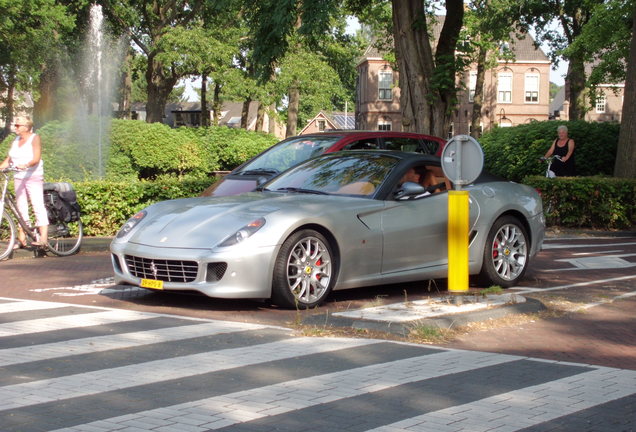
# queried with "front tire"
point(506, 252)
point(304, 272)
point(7, 236)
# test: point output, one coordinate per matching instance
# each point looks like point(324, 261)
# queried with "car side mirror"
point(409, 190)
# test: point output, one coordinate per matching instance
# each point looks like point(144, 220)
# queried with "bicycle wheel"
point(65, 238)
point(7, 236)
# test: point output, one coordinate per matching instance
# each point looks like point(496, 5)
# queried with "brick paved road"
point(72, 367)
point(598, 273)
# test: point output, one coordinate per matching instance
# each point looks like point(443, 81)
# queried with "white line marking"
point(524, 290)
point(26, 354)
point(69, 321)
point(591, 245)
point(221, 411)
point(526, 407)
point(90, 383)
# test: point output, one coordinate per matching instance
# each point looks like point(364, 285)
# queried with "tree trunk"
point(272, 119)
point(126, 89)
point(626, 152)
point(216, 104)
point(427, 80)
point(245, 113)
point(575, 85)
point(260, 117)
point(292, 111)
point(159, 87)
point(205, 114)
point(478, 99)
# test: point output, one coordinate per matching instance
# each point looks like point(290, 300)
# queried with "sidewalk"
point(89, 244)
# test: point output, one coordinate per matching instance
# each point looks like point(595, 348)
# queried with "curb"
point(446, 321)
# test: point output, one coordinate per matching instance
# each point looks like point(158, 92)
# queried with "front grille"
point(164, 270)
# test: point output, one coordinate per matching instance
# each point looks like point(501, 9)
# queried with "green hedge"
point(587, 202)
point(134, 150)
point(512, 152)
point(107, 205)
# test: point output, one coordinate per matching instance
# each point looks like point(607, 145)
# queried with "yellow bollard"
point(458, 221)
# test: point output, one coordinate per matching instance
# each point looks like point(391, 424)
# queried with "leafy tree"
point(554, 89)
point(488, 24)
point(310, 84)
point(607, 42)
point(30, 30)
point(427, 75)
point(572, 16)
point(173, 36)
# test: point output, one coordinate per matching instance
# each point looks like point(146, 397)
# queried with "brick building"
point(515, 92)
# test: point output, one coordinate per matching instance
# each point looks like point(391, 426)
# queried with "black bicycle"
point(64, 237)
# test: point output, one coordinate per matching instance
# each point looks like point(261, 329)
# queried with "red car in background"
point(297, 149)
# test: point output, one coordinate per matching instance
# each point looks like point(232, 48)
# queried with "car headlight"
point(131, 223)
point(243, 233)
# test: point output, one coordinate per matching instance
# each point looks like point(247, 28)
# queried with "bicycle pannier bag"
point(61, 202)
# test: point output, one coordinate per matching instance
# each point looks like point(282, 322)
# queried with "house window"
point(532, 88)
point(384, 125)
point(600, 103)
point(504, 87)
point(472, 84)
point(385, 84)
point(321, 125)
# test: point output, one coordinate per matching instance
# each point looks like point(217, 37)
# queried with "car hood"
point(204, 222)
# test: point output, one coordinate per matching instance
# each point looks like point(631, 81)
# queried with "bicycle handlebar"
point(550, 159)
point(10, 169)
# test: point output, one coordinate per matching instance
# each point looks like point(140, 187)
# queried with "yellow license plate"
point(151, 283)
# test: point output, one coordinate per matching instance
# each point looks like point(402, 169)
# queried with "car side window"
point(363, 144)
point(428, 147)
point(402, 144)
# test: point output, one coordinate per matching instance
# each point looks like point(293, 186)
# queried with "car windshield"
point(289, 153)
point(342, 174)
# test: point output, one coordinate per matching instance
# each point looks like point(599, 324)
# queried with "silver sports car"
point(338, 221)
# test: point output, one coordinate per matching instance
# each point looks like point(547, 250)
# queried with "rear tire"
point(304, 271)
point(7, 236)
point(506, 252)
point(65, 239)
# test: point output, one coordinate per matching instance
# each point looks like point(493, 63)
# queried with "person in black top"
point(562, 146)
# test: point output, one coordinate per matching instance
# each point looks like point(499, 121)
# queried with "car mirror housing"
point(409, 190)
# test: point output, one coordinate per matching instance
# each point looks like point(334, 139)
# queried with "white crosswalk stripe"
point(509, 412)
point(118, 341)
point(144, 373)
point(220, 369)
point(21, 306)
point(230, 409)
point(68, 321)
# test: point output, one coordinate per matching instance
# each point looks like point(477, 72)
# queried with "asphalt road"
point(79, 354)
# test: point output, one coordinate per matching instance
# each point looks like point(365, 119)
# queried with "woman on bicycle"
point(26, 155)
point(563, 146)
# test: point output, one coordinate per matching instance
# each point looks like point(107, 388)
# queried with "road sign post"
point(462, 162)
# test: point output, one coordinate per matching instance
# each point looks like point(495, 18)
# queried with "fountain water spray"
point(100, 69)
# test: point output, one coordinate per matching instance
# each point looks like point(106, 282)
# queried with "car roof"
point(376, 133)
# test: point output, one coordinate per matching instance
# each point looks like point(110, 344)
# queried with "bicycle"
point(64, 238)
point(548, 172)
point(548, 208)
